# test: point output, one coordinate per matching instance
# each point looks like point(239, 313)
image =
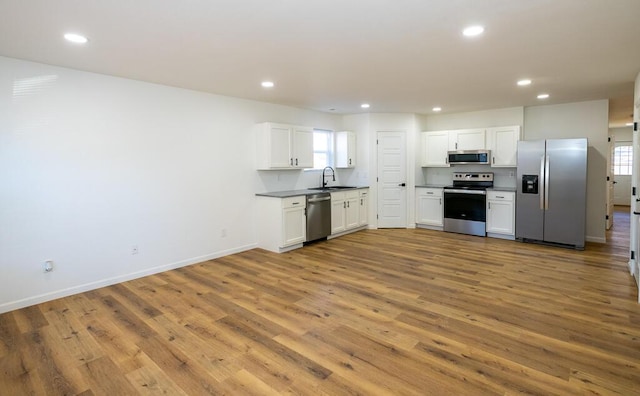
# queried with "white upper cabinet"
point(467, 139)
point(434, 148)
point(345, 149)
point(503, 143)
point(281, 146)
point(302, 147)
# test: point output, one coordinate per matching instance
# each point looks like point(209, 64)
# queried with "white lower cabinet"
point(283, 223)
point(501, 214)
point(349, 210)
point(429, 207)
point(364, 207)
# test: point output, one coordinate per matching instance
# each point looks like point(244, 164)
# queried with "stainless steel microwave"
point(463, 157)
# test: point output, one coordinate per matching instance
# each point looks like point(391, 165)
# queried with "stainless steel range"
point(465, 203)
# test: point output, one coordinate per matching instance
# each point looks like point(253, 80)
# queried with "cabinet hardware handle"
point(429, 193)
point(296, 162)
point(291, 161)
point(489, 205)
point(348, 204)
point(456, 145)
point(295, 203)
point(493, 160)
point(361, 202)
point(499, 196)
point(440, 201)
point(344, 205)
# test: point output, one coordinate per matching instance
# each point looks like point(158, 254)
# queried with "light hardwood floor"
point(397, 312)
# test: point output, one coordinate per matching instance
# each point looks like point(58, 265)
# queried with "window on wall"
point(322, 148)
point(622, 159)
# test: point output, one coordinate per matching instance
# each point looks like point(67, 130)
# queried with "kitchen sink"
point(331, 188)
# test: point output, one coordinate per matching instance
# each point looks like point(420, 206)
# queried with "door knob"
point(402, 184)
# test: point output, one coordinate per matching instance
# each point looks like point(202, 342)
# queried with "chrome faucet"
point(333, 174)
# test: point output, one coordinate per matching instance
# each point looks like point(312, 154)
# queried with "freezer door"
point(566, 191)
point(529, 205)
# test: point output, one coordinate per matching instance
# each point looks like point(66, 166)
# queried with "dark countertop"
point(295, 193)
point(506, 189)
point(430, 185)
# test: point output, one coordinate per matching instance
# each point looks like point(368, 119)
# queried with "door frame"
point(610, 181)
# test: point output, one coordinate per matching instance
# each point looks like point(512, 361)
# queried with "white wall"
point(634, 268)
point(575, 120)
point(474, 119)
point(91, 165)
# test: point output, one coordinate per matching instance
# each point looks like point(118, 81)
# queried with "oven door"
point(465, 211)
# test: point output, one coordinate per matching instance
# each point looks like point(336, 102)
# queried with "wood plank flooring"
point(384, 312)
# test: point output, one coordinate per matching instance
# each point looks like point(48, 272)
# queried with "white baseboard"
point(26, 302)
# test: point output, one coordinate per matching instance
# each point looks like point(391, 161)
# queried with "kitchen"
point(466, 154)
point(156, 167)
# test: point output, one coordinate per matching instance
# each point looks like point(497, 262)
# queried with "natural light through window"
point(622, 160)
point(322, 148)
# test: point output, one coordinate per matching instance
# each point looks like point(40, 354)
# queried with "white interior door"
point(622, 187)
point(392, 180)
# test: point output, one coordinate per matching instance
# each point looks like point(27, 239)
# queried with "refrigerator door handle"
point(546, 183)
point(542, 175)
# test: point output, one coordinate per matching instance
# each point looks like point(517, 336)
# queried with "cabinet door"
point(363, 219)
point(434, 148)
point(302, 147)
point(503, 143)
point(338, 208)
point(429, 209)
point(279, 146)
point(352, 213)
point(500, 217)
point(467, 139)
point(294, 226)
point(345, 149)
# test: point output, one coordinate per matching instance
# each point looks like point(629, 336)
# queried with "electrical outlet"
point(134, 249)
point(47, 266)
point(511, 174)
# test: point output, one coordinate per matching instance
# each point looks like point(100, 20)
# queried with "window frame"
point(330, 149)
point(620, 151)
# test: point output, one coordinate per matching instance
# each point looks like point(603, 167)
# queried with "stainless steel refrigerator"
point(551, 202)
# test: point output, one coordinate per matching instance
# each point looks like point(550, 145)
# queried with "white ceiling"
point(397, 55)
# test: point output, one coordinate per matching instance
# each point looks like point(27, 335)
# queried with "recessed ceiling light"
point(472, 31)
point(267, 84)
point(76, 38)
point(524, 82)
point(543, 96)
point(436, 109)
point(365, 105)
point(629, 124)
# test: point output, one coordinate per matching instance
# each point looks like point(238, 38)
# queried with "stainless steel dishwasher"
point(318, 216)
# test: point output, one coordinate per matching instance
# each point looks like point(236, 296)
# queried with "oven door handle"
point(476, 192)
